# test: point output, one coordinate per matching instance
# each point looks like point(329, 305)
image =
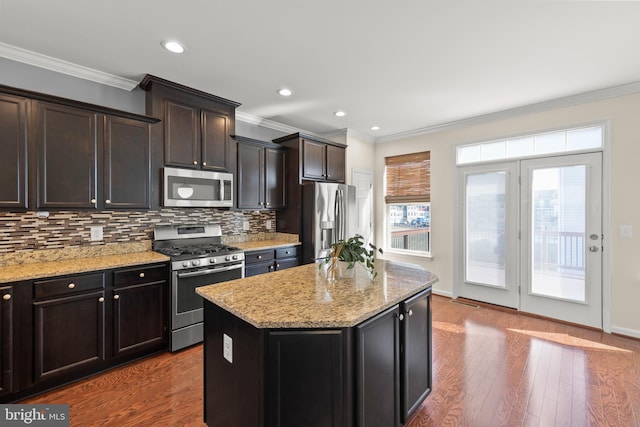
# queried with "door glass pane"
point(558, 222)
point(485, 228)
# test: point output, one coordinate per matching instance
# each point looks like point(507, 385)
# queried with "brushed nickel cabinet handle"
point(116, 296)
point(93, 201)
point(204, 163)
point(101, 299)
point(6, 297)
point(141, 274)
point(107, 202)
point(195, 162)
point(71, 285)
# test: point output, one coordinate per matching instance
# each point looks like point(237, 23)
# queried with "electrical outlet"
point(227, 348)
point(96, 233)
point(268, 224)
point(245, 225)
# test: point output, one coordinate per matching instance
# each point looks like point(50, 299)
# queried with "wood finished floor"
point(491, 368)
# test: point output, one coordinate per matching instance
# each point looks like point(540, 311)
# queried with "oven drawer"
point(258, 256)
point(67, 285)
point(140, 274)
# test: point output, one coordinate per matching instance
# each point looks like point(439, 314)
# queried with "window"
point(563, 141)
point(408, 199)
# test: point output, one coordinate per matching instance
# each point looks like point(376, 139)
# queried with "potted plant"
point(351, 252)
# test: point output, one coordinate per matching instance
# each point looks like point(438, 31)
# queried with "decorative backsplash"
point(21, 232)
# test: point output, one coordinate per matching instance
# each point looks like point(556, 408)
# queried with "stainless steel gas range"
point(198, 258)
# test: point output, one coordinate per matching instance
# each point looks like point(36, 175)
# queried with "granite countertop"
point(302, 297)
point(37, 270)
point(264, 244)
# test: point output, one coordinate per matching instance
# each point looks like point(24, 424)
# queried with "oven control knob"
point(195, 262)
point(235, 257)
point(227, 258)
point(185, 263)
point(212, 260)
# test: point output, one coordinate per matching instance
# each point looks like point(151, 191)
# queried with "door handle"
point(593, 248)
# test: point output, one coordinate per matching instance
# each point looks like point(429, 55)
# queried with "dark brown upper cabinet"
point(57, 153)
point(13, 152)
point(314, 159)
point(76, 147)
point(197, 125)
point(261, 172)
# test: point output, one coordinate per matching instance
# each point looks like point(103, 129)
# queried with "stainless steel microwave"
point(196, 188)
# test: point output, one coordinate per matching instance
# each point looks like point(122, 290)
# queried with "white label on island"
point(227, 347)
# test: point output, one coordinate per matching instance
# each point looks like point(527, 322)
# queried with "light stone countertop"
point(302, 297)
point(264, 244)
point(37, 270)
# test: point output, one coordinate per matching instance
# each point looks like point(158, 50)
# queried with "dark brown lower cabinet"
point(6, 339)
point(373, 374)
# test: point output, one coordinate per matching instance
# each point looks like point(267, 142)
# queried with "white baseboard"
point(625, 331)
point(441, 293)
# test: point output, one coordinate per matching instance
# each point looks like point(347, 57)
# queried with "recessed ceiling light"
point(173, 46)
point(339, 114)
point(375, 127)
point(285, 92)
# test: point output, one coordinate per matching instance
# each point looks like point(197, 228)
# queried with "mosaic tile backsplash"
point(66, 230)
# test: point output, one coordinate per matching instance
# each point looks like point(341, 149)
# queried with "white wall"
point(624, 115)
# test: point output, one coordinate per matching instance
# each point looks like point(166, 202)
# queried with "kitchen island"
point(291, 348)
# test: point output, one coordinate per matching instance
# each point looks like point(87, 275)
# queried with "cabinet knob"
point(328, 176)
point(259, 256)
point(268, 204)
point(93, 201)
point(71, 285)
point(204, 163)
point(141, 274)
point(6, 297)
point(101, 299)
point(107, 202)
point(286, 252)
point(410, 312)
point(116, 296)
point(277, 265)
point(401, 317)
point(195, 162)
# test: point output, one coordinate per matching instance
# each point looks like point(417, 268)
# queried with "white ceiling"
point(400, 64)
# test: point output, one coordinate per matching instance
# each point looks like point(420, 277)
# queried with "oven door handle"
point(208, 271)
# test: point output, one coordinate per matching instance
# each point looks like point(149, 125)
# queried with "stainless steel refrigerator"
point(328, 215)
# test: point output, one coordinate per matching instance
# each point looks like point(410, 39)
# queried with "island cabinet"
point(6, 340)
point(297, 350)
point(261, 173)
point(14, 337)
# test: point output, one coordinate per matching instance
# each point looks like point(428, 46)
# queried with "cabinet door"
point(127, 164)
point(67, 147)
point(138, 317)
point(13, 152)
point(377, 370)
point(306, 379)
point(6, 339)
point(250, 176)
point(274, 178)
point(181, 135)
point(335, 163)
point(416, 352)
point(313, 160)
point(69, 335)
point(215, 140)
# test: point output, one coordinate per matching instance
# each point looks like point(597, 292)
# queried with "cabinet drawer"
point(258, 256)
point(287, 252)
point(139, 274)
point(258, 268)
point(67, 285)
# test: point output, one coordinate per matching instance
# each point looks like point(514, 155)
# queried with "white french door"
point(531, 236)
point(561, 256)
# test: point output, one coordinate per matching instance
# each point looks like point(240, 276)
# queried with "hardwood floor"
point(491, 368)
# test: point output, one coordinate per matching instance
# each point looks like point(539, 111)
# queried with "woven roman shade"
point(408, 178)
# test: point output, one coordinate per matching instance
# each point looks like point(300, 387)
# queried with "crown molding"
point(53, 64)
point(567, 101)
point(269, 124)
